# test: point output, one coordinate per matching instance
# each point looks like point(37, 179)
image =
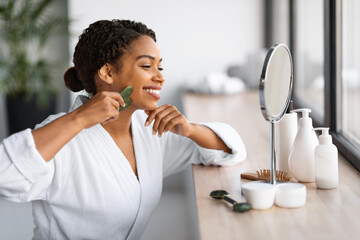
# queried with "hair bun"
point(72, 82)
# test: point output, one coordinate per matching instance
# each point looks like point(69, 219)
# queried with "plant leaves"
point(38, 9)
point(125, 94)
point(25, 28)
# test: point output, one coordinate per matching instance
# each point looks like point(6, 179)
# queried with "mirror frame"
point(268, 117)
point(264, 110)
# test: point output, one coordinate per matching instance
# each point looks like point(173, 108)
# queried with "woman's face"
point(141, 69)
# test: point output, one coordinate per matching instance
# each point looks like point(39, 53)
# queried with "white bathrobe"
point(89, 190)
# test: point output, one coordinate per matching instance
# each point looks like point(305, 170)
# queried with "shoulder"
point(49, 119)
point(79, 100)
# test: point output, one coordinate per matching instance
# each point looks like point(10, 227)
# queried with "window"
point(325, 40)
point(308, 54)
point(350, 71)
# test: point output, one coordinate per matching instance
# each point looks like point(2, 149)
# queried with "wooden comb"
point(264, 174)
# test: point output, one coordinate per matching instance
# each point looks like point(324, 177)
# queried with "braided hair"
point(102, 42)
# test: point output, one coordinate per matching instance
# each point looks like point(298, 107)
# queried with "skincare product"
point(259, 194)
point(326, 161)
point(301, 159)
point(286, 130)
point(290, 195)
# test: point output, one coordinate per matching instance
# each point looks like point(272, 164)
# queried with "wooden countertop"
point(327, 214)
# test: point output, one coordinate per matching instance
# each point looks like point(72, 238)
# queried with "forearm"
point(53, 136)
point(206, 138)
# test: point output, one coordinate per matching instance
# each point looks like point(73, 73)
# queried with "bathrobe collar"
point(149, 179)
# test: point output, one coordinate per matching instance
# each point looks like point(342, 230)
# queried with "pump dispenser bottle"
point(286, 130)
point(301, 159)
point(326, 161)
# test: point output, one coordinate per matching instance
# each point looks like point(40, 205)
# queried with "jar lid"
point(290, 188)
point(259, 187)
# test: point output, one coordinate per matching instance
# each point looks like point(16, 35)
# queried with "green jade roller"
point(125, 94)
point(237, 207)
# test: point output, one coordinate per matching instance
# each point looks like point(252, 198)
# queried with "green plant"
point(25, 28)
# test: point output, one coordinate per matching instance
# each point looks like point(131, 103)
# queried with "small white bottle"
point(286, 130)
point(301, 159)
point(326, 162)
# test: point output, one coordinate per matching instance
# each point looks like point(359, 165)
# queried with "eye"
point(160, 69)
point(146, 66)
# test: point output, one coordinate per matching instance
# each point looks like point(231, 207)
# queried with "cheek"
point(139, 78)
point(138, 93)
point(130, 80)
point(138, 81)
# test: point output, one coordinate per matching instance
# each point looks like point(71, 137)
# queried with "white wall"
point(195, 37)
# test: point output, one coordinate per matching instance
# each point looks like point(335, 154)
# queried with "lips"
point(153, 91)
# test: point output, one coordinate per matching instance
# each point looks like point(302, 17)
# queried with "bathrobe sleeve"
point(180, 151)
point(24, 174)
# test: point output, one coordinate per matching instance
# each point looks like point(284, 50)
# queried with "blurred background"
point(211, 47)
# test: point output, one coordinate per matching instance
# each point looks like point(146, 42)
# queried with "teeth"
point(153, 91)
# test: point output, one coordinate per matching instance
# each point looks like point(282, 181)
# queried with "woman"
point(95, 172)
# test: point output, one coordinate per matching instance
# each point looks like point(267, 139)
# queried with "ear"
point(105, 74)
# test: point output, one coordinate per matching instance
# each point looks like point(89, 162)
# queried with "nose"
point(159, 77)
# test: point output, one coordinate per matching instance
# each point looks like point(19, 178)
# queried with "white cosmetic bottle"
point(286, 130)
point(301, 159)
point(326, 162)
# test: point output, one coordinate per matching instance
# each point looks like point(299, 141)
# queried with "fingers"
point(153, 113)
point(167, 121)
point(111, 104)
point(116, 96)
point(173, 122)
point(115, 104)
point(111, 112)
point(101, 108)
point(165, 118)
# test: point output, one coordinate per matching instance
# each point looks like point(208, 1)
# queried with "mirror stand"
point(275, 92)
point(273, 153)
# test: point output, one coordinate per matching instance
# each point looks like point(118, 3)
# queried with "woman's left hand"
point(168, 118)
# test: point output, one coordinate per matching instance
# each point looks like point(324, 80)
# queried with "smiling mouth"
point(153, 91)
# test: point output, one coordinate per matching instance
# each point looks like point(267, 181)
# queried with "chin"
point(148, 106)
point(152, 107)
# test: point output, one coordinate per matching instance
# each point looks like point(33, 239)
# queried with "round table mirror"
point(275, 92)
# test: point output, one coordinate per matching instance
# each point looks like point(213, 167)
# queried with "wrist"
point(77, 120)
point(192, 130)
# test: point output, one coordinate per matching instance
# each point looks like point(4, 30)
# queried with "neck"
point(121, 126)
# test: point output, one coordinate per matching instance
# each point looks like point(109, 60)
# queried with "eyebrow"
point(147, 56)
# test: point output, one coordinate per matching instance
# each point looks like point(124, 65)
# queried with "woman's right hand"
point(101, 108)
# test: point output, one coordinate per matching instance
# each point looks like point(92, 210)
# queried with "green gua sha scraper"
point(125, 94)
